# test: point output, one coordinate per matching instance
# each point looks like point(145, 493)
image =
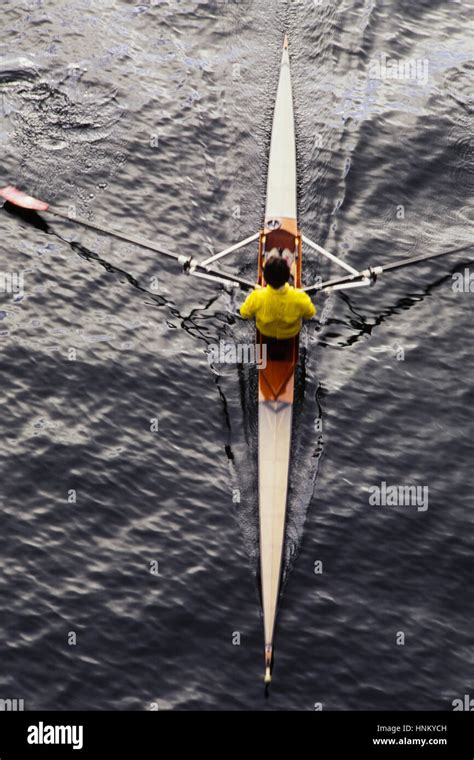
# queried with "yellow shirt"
point(279, 313)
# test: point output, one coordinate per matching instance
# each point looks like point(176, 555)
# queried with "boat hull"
point(275, 423)
point(281, 203)
point(280, 236)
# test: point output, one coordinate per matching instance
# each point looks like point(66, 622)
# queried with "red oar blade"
point(18, 198)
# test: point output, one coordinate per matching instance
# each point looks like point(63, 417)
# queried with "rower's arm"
point(308, 307)
point(248, 309)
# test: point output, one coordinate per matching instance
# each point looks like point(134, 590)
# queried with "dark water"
point(155, 118)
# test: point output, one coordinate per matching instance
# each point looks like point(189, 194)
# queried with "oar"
point(18, 198)
point(369, 276)
point(190, 265)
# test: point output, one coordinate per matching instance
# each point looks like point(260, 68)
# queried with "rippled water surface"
point(123, 451)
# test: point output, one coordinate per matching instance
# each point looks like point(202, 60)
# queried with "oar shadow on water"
point(33, 219)
point(190, 322)
point(360, 325)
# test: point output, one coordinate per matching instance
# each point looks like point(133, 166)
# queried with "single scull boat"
point(276, 380)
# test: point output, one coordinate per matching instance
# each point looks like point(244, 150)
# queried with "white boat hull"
point(281, 179)
point(275, 425)
point(276, 381)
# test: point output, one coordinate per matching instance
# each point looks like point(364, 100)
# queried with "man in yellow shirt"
point(279, 308)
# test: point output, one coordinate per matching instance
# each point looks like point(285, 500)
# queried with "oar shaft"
point(423, 257)
point(142, 242)
point(22, 200)
point(195, 267)
point(374, 272)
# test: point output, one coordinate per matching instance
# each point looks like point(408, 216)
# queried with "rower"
point(279, 309)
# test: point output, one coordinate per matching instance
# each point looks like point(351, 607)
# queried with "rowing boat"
point(276, 380)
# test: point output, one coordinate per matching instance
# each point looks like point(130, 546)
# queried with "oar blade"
point(18, 198)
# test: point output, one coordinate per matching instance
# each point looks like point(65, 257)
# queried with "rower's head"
point(276, 271)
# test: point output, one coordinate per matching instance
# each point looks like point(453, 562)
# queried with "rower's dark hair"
point(276, 271)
